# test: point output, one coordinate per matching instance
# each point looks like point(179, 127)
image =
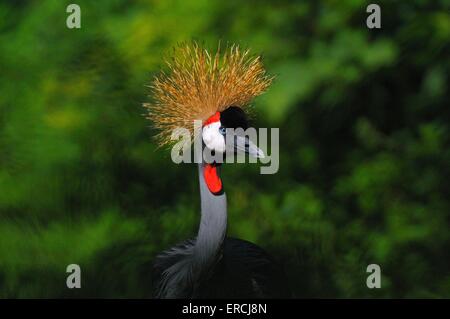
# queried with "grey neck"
point(213, 226)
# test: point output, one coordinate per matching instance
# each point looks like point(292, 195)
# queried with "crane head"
point(215, 87)
point(218, 136)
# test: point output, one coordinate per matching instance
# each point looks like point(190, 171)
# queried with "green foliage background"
point(364, 126)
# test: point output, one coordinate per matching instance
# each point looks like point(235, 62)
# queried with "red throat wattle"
point(212, 179)
point(210, 175)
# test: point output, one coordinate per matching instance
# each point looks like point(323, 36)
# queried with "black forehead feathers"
point(234, 117)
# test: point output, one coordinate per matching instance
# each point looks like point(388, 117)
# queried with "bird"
point(215, 88)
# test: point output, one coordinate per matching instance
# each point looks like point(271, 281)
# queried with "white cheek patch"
point(212, 137)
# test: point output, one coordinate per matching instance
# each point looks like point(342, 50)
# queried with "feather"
point(199, 83)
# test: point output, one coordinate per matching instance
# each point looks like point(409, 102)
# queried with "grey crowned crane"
point(216, 89)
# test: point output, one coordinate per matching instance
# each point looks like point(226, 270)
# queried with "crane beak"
point(242, 144)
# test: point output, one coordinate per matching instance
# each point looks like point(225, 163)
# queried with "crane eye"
point(222, 130)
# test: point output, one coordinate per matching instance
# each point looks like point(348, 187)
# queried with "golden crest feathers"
point(200, 83)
